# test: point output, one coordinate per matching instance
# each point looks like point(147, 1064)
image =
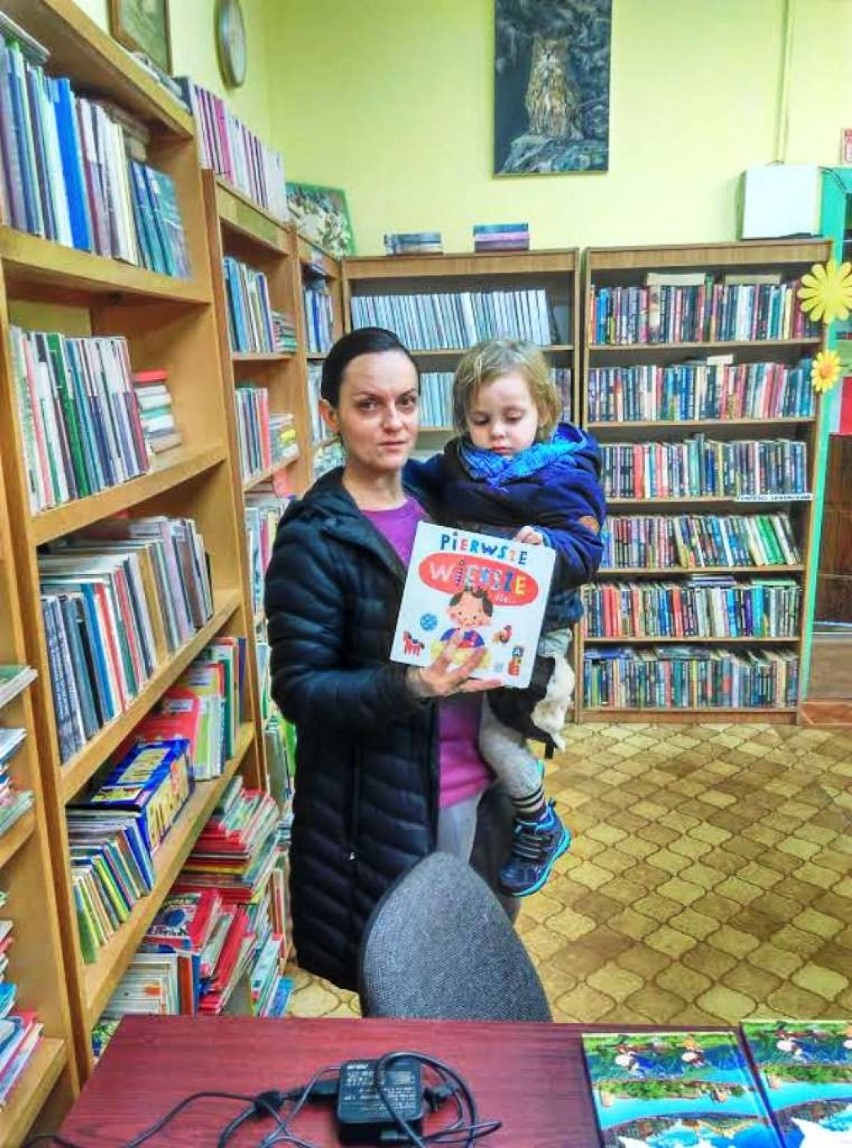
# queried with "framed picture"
point(551, 86)
point(321, 214)
point(143, 26)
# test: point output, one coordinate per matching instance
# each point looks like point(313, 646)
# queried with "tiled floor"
point(710, 878)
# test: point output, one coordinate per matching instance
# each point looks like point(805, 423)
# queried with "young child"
point(516, 471)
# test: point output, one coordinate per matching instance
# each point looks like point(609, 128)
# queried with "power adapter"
point(362, 1115)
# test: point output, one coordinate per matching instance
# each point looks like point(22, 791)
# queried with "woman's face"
point(377, 413)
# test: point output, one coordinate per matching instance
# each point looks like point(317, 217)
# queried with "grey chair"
point(439, 945)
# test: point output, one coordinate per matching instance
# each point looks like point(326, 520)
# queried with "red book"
point(149, 378)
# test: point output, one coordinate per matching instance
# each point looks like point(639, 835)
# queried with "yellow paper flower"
point(825, 370)
point(826, 291)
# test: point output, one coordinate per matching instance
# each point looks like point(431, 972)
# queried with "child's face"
point(468, 612)
point(503, 417)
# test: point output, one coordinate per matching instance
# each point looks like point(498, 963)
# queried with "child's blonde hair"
point(491, 360)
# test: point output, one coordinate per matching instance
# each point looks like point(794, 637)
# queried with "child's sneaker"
point(535, 847)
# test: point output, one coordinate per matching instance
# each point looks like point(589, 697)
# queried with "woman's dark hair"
point(364, 341)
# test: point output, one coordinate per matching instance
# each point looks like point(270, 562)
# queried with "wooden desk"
point(530, 1076)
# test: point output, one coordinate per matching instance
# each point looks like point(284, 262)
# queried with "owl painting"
point(551, 86)
point(551, 99)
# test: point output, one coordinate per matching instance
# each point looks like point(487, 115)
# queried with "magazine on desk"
point(492, 589)
point(805, 1070)
point(675, 1090)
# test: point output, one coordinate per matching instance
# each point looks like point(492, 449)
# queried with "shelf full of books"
point(697, 384)
point(125, 527)
point(439, 305)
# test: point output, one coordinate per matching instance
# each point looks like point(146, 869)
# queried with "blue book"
point(64, 103)
point(23, 132)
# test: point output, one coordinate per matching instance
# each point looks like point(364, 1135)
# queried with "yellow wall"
point(393, 102)
point(194, 54)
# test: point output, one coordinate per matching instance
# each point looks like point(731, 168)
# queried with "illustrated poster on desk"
point(675, 1090)
point(806, 1074)
point(492, 589)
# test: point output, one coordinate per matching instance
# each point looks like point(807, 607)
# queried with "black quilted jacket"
point(366, 764)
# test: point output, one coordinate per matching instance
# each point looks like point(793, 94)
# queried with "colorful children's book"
point(493, 590)
point(805, 1070)
point(675, 1090)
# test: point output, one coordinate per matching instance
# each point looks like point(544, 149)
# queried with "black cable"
point(283, 1135)
point(152, 1130)
point(465, 1134)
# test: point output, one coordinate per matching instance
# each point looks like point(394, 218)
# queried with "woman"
point(388, 767)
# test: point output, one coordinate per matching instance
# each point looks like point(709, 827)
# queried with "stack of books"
point(204, 706)
point(13, 679)
point(283, 333)
point(414, 243)
point(501, 237)
point(79, 417)
point(237, 154)
point(319, 315)
point(20, 1030)
point(14, 803)
point(285, 442)
point(249, 311)
point(111, 869)
point(263, 511)
point(693, 541)
point(236, 854)
point(155, 411)
point(73, 169)
point(253, 431)
point(115, 599)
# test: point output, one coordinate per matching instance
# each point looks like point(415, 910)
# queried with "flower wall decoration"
point(826, 291)
point(825, 371)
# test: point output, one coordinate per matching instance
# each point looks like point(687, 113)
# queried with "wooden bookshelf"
point(35, 957)
point(169, 324)
point(626, 267)
point(554, 272)
point(318, 267)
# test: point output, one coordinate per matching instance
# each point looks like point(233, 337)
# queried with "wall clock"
point(231, 42)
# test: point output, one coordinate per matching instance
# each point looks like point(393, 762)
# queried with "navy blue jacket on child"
point(551, 486)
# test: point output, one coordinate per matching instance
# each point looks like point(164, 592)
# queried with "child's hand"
point(530, 535)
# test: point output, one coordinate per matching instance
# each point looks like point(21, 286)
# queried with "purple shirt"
point(461, 771)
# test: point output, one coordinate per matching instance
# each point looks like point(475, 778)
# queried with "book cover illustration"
point(805, 1070)
point(675, 1090)
point(492, 589)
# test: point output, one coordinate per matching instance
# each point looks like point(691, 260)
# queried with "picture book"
point(805, 1070)
point(493, 590)
point(675, 1090)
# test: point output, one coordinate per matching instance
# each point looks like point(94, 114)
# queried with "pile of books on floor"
point(232, 151)
point(20, 1030)
point(776, 1084)
point(414, 243)
point(155, 411)
point(501, 237)
point(80, 421)
point(14, 802)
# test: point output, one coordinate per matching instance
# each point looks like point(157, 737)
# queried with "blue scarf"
point(495, 469)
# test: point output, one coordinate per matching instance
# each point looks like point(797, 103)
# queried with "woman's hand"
point(442, 679)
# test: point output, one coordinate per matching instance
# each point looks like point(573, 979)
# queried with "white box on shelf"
point(780, 200)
